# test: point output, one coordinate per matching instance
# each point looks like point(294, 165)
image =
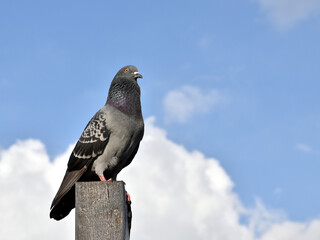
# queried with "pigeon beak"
point(137, 75)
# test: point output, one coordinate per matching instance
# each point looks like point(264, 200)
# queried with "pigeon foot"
point(128, 197)
point(102, 178)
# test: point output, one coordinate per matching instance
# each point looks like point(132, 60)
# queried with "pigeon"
point(108, 143)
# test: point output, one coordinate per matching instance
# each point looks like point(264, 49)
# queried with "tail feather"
point(64, 206)
point(63, 202)
point(68, 182)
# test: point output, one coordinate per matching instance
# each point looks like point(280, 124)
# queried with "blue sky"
point(235, 80)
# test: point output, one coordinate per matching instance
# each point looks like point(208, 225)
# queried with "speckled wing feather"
point(92, 142)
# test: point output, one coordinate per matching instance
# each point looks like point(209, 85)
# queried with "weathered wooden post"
point(101, 211)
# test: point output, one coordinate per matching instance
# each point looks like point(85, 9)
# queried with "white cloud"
point(291, 230)
point(27, 178)
point(306, 149)
point(262, 219)
point(285, 13)
point(176, 195)
point(185, 193)
point(180, 105)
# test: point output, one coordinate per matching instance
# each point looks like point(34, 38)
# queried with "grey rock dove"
point(108, 143)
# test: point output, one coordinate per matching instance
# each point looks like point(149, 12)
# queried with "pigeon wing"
point(90, 145)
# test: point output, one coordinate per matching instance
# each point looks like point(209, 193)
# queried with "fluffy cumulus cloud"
point(27, 181)
point(176, 194)
point(181, 104)
point(285, 13)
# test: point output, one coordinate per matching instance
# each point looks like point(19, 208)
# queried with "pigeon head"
point(124, 91)
point(129, 72)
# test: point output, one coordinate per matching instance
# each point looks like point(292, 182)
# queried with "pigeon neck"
point(125, 96)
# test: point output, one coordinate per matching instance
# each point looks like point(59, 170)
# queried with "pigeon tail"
point(64, 206)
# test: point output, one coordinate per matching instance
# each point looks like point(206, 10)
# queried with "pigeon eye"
point(126, 70)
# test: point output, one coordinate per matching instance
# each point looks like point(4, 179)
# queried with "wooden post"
point(101, 211)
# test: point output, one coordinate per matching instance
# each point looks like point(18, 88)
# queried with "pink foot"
point(128, 197)
point(102, 178)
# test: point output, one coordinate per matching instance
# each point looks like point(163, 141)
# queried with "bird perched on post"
point(108, 143)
